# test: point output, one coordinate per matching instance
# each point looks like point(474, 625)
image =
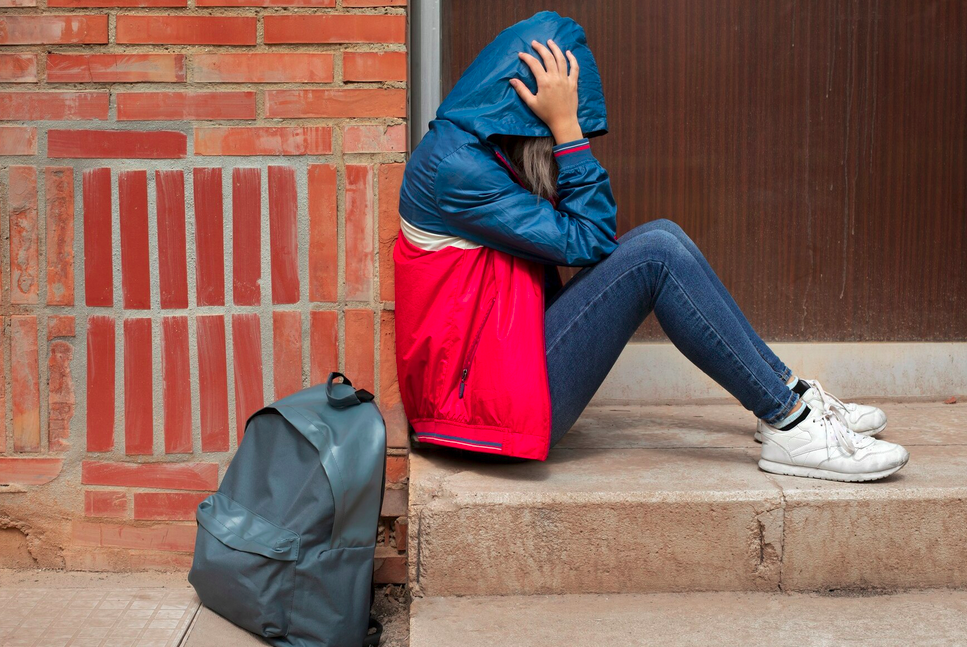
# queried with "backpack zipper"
point(473, 349)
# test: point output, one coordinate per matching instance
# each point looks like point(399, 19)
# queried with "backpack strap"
point(349, 399)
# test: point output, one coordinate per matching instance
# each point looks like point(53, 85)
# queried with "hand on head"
point(556, 101)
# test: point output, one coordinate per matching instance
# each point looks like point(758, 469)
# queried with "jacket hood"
point(484, 102)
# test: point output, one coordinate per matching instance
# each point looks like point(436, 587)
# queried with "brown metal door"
point(814, 149)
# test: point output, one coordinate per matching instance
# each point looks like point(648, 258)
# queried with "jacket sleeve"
point(479, 200)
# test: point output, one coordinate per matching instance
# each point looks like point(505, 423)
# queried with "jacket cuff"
point(573, 153)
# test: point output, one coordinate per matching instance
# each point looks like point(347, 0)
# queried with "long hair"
point(533, 159)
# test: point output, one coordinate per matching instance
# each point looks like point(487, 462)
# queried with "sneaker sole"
point(817, 473)
point(872, 432)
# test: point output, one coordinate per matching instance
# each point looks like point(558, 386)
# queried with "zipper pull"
point(463, 382)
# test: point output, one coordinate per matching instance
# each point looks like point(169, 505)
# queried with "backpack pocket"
point(244, 566)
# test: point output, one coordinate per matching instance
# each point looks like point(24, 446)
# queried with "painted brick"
point(374, 66)
point(390, 400)
point(301, 67)
point(29, 471)
point(335, 28)
point(53, 30)
point(209, 237)
point(59, 195)
point(283, 230)
point(18, 68)
point(98, 234)
point(138, 408)
point(163, 537)
point(265, 3)
point(100, 383)
point(135, 252)
point(117, 3)
point(186, 30)
point(176, 385)
point(374, 139)
point(25, 383)
point(323, 344)
point(272, 140)
point(116, 144)
point(247, 356)
point(247, 236)
point(24, 235)
point(287, 352)
point(396, 469)
point(60, 326)
point(167, 506)
point(359, 232)
point(60, 396)
point(115, 68)
point(161, 476)
point(323, 245)
point(172, 244)
point(105, 503)
point(365, 102)
point(360, 358)
point(212, 383)
point(154, 106)
point(18, 140)
point(36, 106)
point(390, 179)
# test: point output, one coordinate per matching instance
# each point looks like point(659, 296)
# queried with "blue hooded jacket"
point(456, 184)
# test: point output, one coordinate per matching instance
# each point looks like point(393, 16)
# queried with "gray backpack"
point(285, 546)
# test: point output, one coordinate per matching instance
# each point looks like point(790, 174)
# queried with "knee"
point(657, 245)
point(664, 224)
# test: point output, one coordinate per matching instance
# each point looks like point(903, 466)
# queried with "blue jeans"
point(656, 267)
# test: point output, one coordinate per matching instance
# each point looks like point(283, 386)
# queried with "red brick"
point(301, 67)
point(394, 502)
point(389, 567)
point(18, 140)
point(59, 195)
point(390, 179)
point(159, 476)
point(359, 232)
point(100, 383)
point(115, 68)
point(271, 140)
point(265, 3)
point(60, 326)
point(18, 68)
point(35, 106)
point(172, 245)
point(374, 66)
point(29, 471)
point(389, 102)
point(53, 30)
point(116, 144)
point(117, 3)
point(186, 30)
point(209, 238)
point(400, 529)
point(98, 233)
point(60, 396)
point(25, 383)
point(323, 247)
point(390, 401)
point(138, 408)
point(360, 359)
point(212, 383)
point(154, 106)
point(247, 236)
point(163, 537)
point(24, 235)
point(374, 139)
point(396, 469)
point(135, 252)
point(287, 352)
point(167, 506)
point(18, 3)
point(176, 385)
point(323, 344)
point(3, 386)
point(283, 230)
point(335, 28)
point(105, 503)
point(247, 356)
point(373, 3)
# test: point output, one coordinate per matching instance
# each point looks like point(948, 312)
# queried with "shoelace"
point(833, 419)
point(828, 398)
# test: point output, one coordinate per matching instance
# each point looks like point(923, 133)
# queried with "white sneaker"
point(823, 447)
point(862, 419)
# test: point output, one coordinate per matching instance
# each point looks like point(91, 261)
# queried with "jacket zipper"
point(473, 349)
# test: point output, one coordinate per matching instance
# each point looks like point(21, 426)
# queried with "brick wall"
point(197, 204)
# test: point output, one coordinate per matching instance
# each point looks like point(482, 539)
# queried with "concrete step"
point(924, 618)
point(666, 499)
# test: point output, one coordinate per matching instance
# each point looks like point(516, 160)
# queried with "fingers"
point(574, 67)
point(523, 92)
point(533, 64)
point(549, 61)
point(558, 57)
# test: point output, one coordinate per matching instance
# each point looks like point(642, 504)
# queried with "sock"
point(793, 418)
point(797, 385)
